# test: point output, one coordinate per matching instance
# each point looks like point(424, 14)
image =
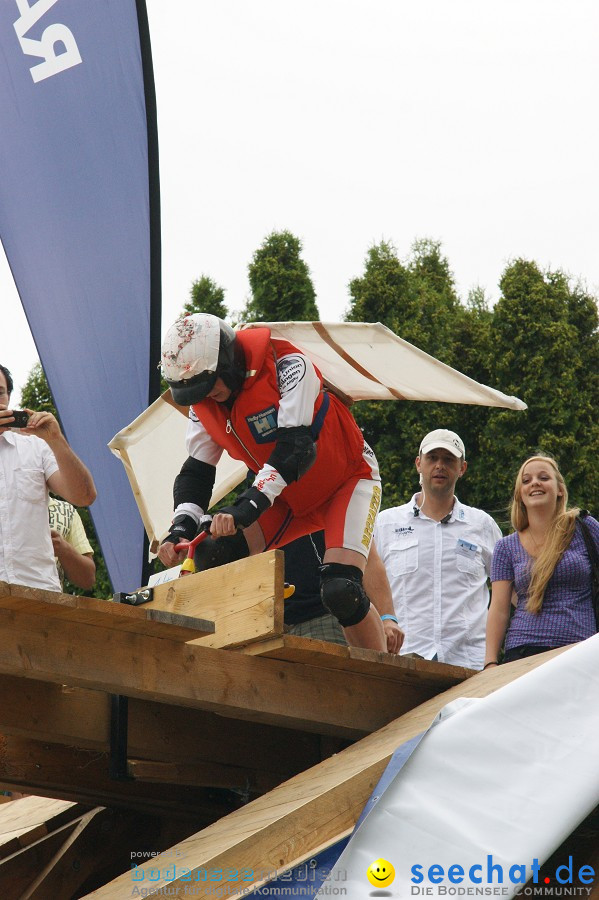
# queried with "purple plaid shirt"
point(567, 612)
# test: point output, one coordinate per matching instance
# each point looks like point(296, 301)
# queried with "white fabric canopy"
point(152, 450)
point(360, 361)
point(370, 362)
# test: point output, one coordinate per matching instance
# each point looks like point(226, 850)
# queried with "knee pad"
point(342, 593)
point(220, 551)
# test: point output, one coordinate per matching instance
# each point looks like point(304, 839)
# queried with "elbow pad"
point(294, 453)
point(194, 483)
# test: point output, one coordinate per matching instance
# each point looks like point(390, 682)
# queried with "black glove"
point(248, 507)
point(184, 528)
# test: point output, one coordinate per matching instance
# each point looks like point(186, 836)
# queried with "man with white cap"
point(437, 555)
point(263, 400)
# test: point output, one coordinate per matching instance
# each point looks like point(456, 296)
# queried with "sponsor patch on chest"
point(263, 425)
point(404, 530)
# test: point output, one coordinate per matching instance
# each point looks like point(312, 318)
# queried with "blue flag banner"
point(79, 224)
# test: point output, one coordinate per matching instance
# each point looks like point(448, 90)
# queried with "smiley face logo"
point(380, 873)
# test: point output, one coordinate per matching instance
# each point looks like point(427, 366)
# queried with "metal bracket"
point(119, 705)
point(144, 595)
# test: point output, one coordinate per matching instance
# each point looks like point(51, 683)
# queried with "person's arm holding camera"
point(73, 480)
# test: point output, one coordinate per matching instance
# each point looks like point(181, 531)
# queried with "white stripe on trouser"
point(362, 508)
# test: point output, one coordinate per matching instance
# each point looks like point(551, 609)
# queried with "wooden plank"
point(89, 611)
point(93, 847)
point(344, 704)
point(244, 599)
point(326, 655)
point(97, 840)
point(18, 871)
point(82, 776)
point(287, 825)
point(26, 820)
point(205, 774)
point(81, 718)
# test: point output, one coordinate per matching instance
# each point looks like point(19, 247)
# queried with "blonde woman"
point(546, 563)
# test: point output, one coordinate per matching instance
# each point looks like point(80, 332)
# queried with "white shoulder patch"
point(290, 371)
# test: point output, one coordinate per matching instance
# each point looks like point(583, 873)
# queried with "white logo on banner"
point(57, 46)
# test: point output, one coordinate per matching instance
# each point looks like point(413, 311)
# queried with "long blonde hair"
point(558, 539)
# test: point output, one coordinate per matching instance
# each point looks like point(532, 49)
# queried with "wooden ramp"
point(272, 679)
point(222, 706)
point(306, 813)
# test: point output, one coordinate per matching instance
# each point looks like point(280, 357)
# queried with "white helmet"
point(197, 350)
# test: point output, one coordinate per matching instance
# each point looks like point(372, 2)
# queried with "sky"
point(353, 121)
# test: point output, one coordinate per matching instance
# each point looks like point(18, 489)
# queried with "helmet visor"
point(192, 390)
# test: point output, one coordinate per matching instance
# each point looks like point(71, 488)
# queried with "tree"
point(382, 293)
point(418, 301)
point(35, 394)
point(433, 297)
point(282, 289)
point(540, 343)
point(206, 296)
point(546, 350)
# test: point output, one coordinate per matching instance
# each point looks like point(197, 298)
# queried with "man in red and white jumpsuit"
point(263, 401)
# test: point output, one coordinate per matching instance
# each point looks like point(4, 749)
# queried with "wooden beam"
point(84, 853)
point(99, 838)
point(81, 718)
point(22, 822)
point(244, 599)
point(205, 774)
point(345, 703)
point(296, 819)
point(18, 871)
point(89, 611)
point(48, 766)
point(326, 655)
point(54, 770)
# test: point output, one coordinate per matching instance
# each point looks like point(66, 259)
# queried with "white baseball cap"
point(442, 439)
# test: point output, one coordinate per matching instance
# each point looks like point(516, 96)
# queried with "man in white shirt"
point(437, 555)
point(32, 460)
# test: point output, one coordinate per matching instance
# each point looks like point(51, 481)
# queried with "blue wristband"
point(388, 616)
